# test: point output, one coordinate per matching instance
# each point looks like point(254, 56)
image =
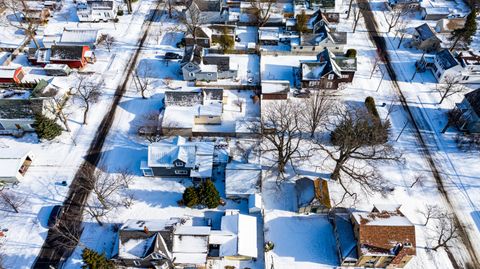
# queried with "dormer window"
point(178, 163)
point(407, 245)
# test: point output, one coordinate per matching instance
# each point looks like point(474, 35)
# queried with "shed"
point(11, 74)
point(73, 56)
point(312, 195)
point(275, 89)
point(14, 163)
point(435, 13)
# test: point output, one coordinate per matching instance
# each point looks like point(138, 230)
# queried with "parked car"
point(301, 93)
point(55, 215)
point(172, 56)
point(237, 38)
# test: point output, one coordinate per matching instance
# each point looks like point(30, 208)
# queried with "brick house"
point(328, 71)
point(385, 237)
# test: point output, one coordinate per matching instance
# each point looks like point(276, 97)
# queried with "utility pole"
point(129, 6)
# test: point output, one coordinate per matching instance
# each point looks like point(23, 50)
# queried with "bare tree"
point(261, 11)
point(58, 106)
point(359, 143)
point(455, 118)
point(168, 82)
point(11, 200)
point(194, 19)
point(417, 178)
point(67, 232)
point(23, 21)
point(281, 130)
point(88, 94)
point(431, 212)
point(149, 126)
point(239, 103)
point(105, 189)
point(142, 79)
point(169, 5)
point(107, 40)
point(315, 110)
point(450, 86)
point(446, 230)
point(393, 17)
point(402, 29)
point(357, 14)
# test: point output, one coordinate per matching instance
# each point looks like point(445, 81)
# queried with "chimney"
point(145, 229)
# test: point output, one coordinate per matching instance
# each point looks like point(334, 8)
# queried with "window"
point(345, 76)
point(137, 263)
point(148, 172)
point(465, 78)
point(329, 85)
point(178, 163)
point(181, 172)
point(191, 74)
point(330, 76)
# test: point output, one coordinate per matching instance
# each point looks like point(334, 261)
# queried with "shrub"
point(46, 128)
point(370, 104)
point(120, 12)
point(94, 260)
point(351, 53)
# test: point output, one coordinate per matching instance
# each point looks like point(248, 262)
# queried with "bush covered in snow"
point(46, 128)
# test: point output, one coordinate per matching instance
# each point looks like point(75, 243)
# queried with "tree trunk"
point(455, 43)
point(443, 98)
point(85, 112)
point(143, 94)
point(401, 39)
point(445, 128)
point(349, 8)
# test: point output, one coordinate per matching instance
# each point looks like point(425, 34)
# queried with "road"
point(61, 241)
point(379, 40)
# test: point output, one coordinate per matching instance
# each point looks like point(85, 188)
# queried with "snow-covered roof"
point(11, 160)
point(268, 33)
point(383, 215)
point(8, 71)
point(275, 86)
point(245, 241)
point(242, 178)
point(196, 155)
point(190, 244)
point(78, 35)
point(152, 225)
point(214, 109)
point(190, 258)
point(178, 117)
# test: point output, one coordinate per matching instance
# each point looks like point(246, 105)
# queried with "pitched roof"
point(79, 35)
point(8, 71)
point(244, 241)
point(21, 108)
point(426, 32)
point(312, 191)
point(445, 59)
point(473, 99)
point(192, 54)
point(62, 52)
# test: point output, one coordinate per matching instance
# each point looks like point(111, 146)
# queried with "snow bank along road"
point(62, 240)
point(379, 41)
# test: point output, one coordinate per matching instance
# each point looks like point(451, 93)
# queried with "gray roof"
point(426, 32)
point(21, 108)
point(222, 62)
point(473, 99)
point(192, 54)
point(445, 59)
point(305, 189)
point(322, 34)
point(183, 98)
point(59, 52)
point(213, 94)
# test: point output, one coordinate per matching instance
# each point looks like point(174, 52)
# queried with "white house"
point(96, 10)
point(14, 163)
point(442, 64)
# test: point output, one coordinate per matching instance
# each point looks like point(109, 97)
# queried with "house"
point(434, 13)
point(36, 12)
point(385, 237)
point(268, 36)
point(449, 25)
point(187, 242)
point(73, 56)
point(224, 68)
point(470, 61)
point(275, 89)
point(211, 67)
point(219, 30)
point(211, 11)
point(96, 10)
point(18, 115)
point(14, 163)
point(57, 69)
point(312, 195)
point(324, 38)
point(11, 74)
point(189, 97)
point(425, 38)
point(442, 64)
point(470, 108)
point(190, 63)
point(179, 158)
point(328, 71)
point(203, 37)
point(242, 179)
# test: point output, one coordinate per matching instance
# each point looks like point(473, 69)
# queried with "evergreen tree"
point(46, 128)
point(302, 20)
point(226, 41)
point(465, 34)
point(190, 197)
point(209, 194)
point(94, 260)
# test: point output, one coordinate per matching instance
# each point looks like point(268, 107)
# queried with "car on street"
point(303, 93)
point(172, 56)
point(55, 215)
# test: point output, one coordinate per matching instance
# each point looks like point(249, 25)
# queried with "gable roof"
point(426, 32)
point(11, 160)
point(21, 108)
point(312, 191)
point(62, 52)
point(473, 99)
point(445, 59)
point(79, 35)
point(8, 71)
point(244, 241)
point(192, 54)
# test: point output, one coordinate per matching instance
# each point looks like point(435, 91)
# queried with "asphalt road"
point(62, 240)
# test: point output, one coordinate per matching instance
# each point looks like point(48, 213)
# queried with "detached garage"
point(14, 164)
